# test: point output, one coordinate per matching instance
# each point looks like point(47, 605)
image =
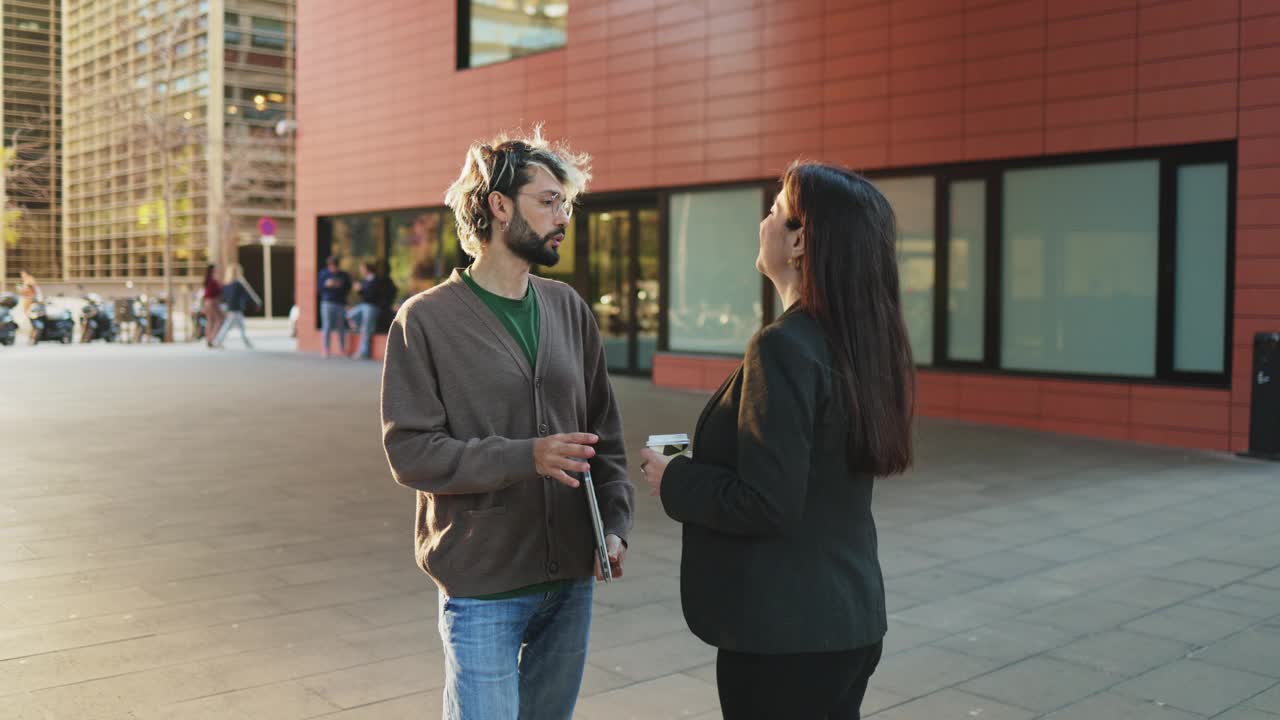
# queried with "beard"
point(528, 245)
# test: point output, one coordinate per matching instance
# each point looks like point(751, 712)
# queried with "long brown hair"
point(849, 283)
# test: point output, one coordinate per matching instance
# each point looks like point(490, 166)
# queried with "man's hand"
point(555, 454)
point(617, 551)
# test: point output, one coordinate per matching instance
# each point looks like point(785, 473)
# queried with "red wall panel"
point(679, 93)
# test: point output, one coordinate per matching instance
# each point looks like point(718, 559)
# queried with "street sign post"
point(267, 236)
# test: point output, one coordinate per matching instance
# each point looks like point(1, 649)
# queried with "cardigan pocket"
point(483, 540)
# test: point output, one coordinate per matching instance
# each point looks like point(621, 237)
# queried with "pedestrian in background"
point(779, 567)
point(212, 302)
point(372, 292)
point(333, 285)
point(236, 295)
point(28, 290)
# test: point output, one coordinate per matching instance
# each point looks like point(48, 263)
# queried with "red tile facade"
point(684, 92)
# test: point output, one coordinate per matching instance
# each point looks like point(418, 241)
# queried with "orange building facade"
point(1088, 191)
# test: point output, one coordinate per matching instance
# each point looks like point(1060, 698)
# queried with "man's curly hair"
point(502, 165)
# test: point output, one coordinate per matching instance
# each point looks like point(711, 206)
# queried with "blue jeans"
point(333, 318)
point(365, 315)
point(515, 659)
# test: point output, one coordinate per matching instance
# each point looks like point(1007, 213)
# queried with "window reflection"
point(424, 250)
point(912, 201)
point(502, 30)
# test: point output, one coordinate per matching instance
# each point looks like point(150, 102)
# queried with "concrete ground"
point(195, 534)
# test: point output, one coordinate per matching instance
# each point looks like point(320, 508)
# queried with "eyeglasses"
point(550, 201)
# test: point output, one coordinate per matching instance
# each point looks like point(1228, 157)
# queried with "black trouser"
point(804, 686)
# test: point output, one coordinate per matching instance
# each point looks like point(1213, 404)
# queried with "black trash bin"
point(1264, 412)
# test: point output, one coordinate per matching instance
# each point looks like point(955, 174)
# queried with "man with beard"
point(495, 398)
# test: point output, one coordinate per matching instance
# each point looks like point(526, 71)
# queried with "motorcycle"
point(97, 321)
point(150, 314)
point(49, 326)
point(8, 328)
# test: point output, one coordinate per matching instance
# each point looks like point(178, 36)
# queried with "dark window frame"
point(1170, 159)
point(324, 240)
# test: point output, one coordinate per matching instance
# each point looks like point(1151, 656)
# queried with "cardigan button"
point(553, 567)
point(542, 429)
point(537, 382)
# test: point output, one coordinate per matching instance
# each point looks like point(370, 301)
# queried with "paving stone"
point(1002, 565)
point(279, 582)
point(1066, 548)
point(956, 614)
point(953, 705)
point(669, 696)
point(1025, 593)
point(1190, 624)
point(1040, 683)
point(1214, 574)
point(1112, 706)
point(1245, 599)
point(1195, 686)
point(1085, 614)
point(1268, 701)
point(1252, 649)
point(378, 681)
point(1122, 652)
point(1006, 642)
point(918, 672)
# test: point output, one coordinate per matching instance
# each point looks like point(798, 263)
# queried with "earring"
point(504, 226)
point(794, 262)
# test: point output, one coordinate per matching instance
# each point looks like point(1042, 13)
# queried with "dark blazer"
point(780, 548)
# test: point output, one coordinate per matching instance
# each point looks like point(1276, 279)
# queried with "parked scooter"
point(150, 314)
point(8, 328)
point(49, 326)
point(97, 321)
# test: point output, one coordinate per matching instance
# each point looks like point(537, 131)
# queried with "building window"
point(423, 250)
point(912, 200)
point(231, 34)
point(967, 277)
point(493, 31)
point(1200, 304)
point(268, 34)
point(712, 282)
point(416, 248)
point(1109, 265)
point(1081, 246)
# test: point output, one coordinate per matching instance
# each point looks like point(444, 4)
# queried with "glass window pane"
point(231, 34)
point(357, 239)
point(503, 29)
point(912, 201)
point(1080, 252)
point(714, 288)
point(423, 251)
point(268, 33)
point(967, 284)
point(1200, 304)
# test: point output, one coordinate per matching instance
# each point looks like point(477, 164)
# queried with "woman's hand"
point(652, 467)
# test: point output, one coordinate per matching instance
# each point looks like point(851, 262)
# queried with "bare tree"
point(252, 158)
point(29, 183)
point(157, 129)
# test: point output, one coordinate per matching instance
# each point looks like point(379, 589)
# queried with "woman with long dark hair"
point(780, 568)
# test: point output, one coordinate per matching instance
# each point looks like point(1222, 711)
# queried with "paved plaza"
point(191, 534)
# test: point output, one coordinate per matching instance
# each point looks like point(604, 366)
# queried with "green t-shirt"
point(520, 318)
